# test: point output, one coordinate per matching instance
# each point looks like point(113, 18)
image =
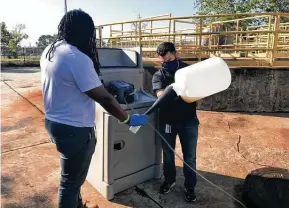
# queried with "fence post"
point(174, 31)
point(100, 36)
point(110, 34)
point(170, 27)
point(237, 35)
point(121, 35)
point(275, 42)
point(24, 54)
point(201, 31)
point(269, 37)
point(139, 33)
point(211, 37)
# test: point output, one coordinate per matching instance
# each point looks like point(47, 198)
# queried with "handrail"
point(198, 16)
point(203, 35)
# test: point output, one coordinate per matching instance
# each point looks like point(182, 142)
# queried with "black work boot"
point(190, 195)
point(166, 187)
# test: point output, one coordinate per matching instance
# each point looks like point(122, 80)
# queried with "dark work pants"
point(188, 134)
point(76, 146)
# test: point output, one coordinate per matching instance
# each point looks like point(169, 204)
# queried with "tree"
point(240, 6)
point(45, 40)
point(17, 35)
point(274, 5)
point(5, 35)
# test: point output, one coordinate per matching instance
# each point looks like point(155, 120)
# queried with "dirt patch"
point(239, 122)
point(285, 133)
point(21, 121)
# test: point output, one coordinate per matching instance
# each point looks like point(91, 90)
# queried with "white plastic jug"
point(202, 79)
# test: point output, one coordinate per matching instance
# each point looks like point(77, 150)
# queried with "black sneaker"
point(166, 187)
point(190, 195)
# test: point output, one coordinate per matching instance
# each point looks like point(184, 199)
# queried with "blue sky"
point(43, 16)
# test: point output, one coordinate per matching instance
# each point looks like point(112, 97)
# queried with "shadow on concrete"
point(19, 70)
point(207, 195)
point(18, 125)
point(39, 200)
point(6, 186)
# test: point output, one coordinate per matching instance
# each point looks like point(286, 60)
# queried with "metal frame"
point(266, 44)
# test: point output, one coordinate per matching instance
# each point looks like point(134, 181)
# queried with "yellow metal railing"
point(201, 36)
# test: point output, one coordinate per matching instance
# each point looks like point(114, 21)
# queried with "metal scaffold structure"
point(243, 40)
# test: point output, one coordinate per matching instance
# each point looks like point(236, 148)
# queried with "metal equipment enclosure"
point(123, 159)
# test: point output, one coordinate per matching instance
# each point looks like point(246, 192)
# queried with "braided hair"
point(77, 28)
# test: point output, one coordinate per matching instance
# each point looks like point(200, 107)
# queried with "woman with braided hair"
point(70, 86)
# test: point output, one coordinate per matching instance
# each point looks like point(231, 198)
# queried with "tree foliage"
point(12, 39)
point(240, 6)
point(5, 35)
point(45, 40)
point(17, 34)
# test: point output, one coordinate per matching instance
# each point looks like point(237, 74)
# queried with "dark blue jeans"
point(76, 146)
point(188, 134)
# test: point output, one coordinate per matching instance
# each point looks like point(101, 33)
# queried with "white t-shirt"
point(64, 80)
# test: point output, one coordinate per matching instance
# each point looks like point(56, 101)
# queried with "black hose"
point(168, 96)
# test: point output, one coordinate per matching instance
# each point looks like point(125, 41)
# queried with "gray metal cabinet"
point(123, 159)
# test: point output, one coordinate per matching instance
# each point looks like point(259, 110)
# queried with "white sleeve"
point(85, 75)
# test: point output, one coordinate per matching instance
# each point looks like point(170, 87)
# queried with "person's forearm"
point(108, 102)
point(112, 107)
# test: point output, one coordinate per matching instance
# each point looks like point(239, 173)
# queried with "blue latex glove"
point(138, 120)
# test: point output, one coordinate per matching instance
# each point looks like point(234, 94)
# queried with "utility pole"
point(65, 6)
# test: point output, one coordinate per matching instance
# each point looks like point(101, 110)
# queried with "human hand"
point(138, 120)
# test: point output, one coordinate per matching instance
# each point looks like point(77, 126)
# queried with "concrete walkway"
point(230, 146)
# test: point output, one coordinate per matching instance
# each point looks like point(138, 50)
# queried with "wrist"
point(126, 120)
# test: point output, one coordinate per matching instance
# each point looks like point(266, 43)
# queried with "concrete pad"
point(20, 120)
point(230, 146)
point(30, 177)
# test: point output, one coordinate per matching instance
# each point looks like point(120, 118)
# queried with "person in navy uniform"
point(177, 117)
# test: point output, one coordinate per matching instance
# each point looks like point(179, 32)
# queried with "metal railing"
point(253, 36)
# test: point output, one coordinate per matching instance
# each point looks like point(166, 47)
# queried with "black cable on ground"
point(24, 98)
point(35, 106)
point(143, 193)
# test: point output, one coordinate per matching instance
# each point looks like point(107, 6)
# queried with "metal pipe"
point(205, 33)
point(201, 16)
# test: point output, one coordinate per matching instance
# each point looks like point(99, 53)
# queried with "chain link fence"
point(22, 56)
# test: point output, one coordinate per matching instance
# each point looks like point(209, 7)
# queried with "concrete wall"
point(252, 90)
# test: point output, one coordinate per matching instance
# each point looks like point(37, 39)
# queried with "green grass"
point(20, 59)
